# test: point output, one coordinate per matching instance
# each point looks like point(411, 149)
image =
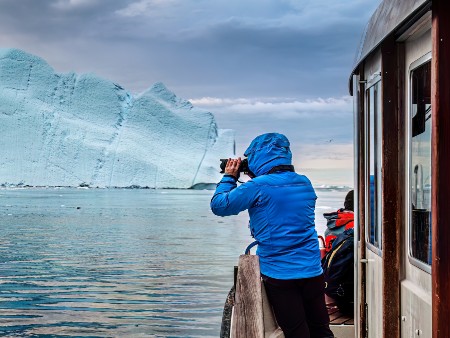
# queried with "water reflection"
point(109, 263)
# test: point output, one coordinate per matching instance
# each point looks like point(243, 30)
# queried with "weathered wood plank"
point(335, 316)
point(341, 320)
point(350, 322)
point(248, 318)
point(440, 164)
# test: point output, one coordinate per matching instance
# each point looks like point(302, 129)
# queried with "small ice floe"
point(62, 205)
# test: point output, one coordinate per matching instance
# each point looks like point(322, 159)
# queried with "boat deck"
point(342, 325)
point(337, 317)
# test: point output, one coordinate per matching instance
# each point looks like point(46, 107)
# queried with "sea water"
point(119, 263)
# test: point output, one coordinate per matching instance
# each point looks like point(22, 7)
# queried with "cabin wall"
point(360, 205)
point(391, 209)
point(374, 265)
point(408, 45)
point(440, 149)
point(372, 65)
point(359, 278)
point(415, 49)
point(374, 294)
point(416, 285)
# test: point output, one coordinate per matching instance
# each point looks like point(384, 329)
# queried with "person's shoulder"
point(288, 177)
point(250, 184)
point(257, 180)
point(303, 178)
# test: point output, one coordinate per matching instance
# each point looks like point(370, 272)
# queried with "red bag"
point(337, 222)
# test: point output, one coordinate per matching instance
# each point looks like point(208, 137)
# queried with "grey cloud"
point(281, 61)
point(280, 109)
point(200, 48)
point(318, 127)
point(55, 19)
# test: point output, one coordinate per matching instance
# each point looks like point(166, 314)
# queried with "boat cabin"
point(401, 90)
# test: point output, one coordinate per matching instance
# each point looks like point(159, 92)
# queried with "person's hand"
point(232, 167)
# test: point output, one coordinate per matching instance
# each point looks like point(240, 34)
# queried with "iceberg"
point(81, 130)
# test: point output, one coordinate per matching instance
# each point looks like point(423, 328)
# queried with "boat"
point(400, 84)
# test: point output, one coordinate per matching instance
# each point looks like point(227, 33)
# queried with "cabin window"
point(420, 164)
point(374, 170)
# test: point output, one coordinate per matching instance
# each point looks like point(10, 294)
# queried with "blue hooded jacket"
point(281, 209)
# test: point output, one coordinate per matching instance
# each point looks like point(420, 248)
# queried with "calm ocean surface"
point(119, 263)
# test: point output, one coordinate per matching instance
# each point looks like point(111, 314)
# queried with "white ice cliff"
point(72, 130)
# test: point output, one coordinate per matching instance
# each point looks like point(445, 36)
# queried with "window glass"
point(374, 155)
point(420, 168)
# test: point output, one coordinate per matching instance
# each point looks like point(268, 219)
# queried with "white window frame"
point(374, 80)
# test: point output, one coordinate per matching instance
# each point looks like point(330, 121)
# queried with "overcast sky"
point(257, 65)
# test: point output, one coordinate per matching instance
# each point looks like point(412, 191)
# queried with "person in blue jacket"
point(281, 207)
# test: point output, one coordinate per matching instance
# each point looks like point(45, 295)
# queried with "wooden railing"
point(252, 314)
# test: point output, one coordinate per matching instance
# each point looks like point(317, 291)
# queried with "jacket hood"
point(267, 151)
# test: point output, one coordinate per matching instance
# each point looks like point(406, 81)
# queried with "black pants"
point(299, 306)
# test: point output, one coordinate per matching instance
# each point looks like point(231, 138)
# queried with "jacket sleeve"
point(229, 199)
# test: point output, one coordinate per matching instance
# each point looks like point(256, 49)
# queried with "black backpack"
point(338, 271)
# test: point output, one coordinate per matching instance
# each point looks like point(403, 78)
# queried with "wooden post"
point(440, 164)
point(248, 318)
point(390, 190)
